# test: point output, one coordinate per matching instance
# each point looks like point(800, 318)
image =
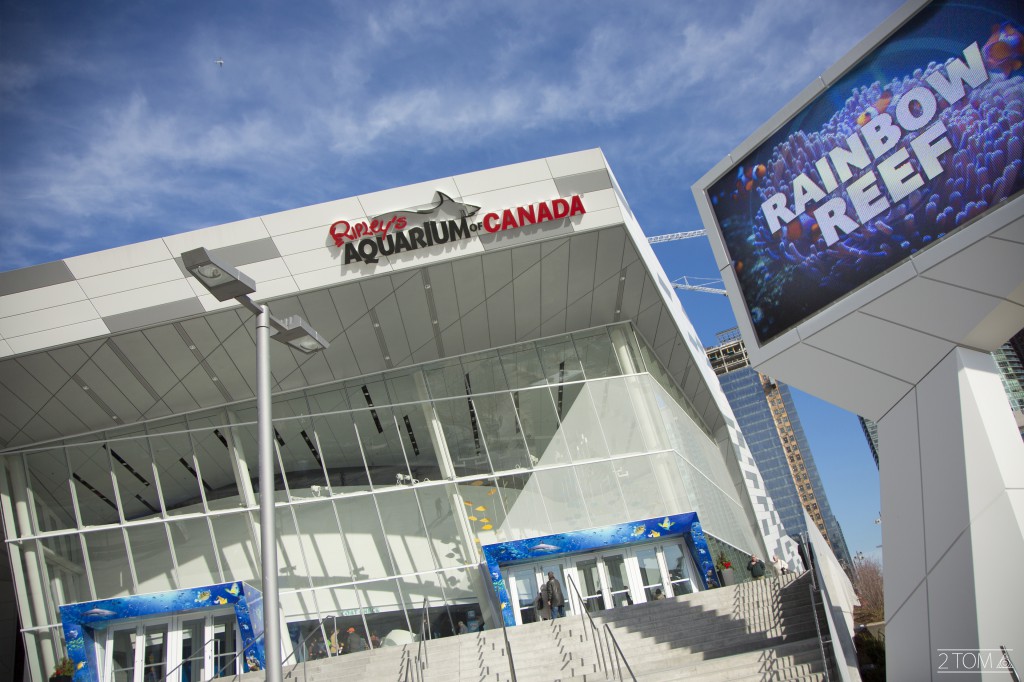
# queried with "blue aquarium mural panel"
point(923, 136)
point(82, 621)
point(634, 532)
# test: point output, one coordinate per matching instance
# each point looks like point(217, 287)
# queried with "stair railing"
point(598, 649)
point(508, 651)
point(421, 648)
point(813, 587)
point(609, 640)
point(234, 659)
point(317, 630)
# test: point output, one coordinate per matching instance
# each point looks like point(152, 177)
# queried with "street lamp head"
point(219, 278)
point(297, 333)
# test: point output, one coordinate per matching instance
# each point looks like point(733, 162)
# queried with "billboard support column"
point(952, 474)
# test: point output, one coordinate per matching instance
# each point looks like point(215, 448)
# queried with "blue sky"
point(117, 125)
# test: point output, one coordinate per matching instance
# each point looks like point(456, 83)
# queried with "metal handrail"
point(234, 658)
point(618, 653)
point(202, 652)
point(598, 650)
point(422, 660)
point(813, 587)
point(508, 650)
point(302, 644)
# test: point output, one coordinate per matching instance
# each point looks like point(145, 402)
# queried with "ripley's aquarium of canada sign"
point(920, 138)
point(445, 222)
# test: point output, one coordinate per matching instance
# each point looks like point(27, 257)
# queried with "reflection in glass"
point(154, 659)
point(501, 433)
point(225, 646)
point(152, 556)
point(51, 491)
point(590, 584)
point(650, 573)
point(107, 555)
point(122, 663)
point(90, 470)
point(197, 557)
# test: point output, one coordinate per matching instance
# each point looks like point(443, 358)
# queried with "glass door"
point(226, 663)
point(120, 660)
point(591, 583)
point(194, 662)
point(154, 661)
point(616, 580)
point(523, 590)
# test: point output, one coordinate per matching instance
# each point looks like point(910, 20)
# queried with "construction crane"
point(675, 236)
point(685, 285)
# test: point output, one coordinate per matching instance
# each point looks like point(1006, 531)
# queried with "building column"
point(43, 653)
point(952, 484)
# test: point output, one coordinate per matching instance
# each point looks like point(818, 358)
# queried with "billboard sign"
point(917, 140)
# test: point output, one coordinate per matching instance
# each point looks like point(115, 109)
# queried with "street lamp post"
point(226, 282)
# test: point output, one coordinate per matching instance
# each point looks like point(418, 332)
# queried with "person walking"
point(756, 567)
point(540, 605)
point(553, 596)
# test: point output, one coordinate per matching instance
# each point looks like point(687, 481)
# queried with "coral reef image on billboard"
point(922, 136)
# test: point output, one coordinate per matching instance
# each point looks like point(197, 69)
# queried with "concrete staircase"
point(760, 630)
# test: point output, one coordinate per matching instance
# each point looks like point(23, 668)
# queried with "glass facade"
point(386, 485)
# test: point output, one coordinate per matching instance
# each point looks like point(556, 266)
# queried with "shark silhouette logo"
point(444, 208)
point(447, 220)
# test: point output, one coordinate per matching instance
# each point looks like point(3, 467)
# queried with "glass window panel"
point(193, 655)
point(527, 498)
point(677, 562)
point(210, 437)
point(328, 399)
point(366, 542)
point(624, 338)
point(600, 483)
point(419, 446)
point(417, 588)
point(381, 439)
point(327, 551)
point(563, 499)
point(559, 360)
point(640, 487)
point(437, 503)
point(291, 561)
point(246, 438)
point(197, 563)
point(521, 365)
point(406, 535)
point(301, 457)
point(310, 642)
point(485, 513)
point(90, 470)
point(51, 490)
point(235, 546)
point(596, 354)
point(615, 409)
point(179, 477)
point(502, 435)
point(483, 372)
point(383, 613)
point(540, 427)
point(580, 424)
point(461, 603)
point(462, 435)
point(154, 567)
point(445, 379)
point(403, 386)
point(108, 560)
point(336, 438)
point(68, 576)
point(133, 469)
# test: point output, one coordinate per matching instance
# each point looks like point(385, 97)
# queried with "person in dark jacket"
point(355, 642)
point(756, 567)
point(553, 596)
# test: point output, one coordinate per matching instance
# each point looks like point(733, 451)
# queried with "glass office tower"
point(771, 425)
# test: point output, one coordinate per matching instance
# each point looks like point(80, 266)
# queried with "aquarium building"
point(509, 380)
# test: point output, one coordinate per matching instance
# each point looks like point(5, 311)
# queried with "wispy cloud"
point(322, 99)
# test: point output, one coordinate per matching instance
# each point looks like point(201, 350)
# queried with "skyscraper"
point(769, 421)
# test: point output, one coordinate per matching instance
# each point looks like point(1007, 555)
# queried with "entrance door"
point(186, 648)
point(525, 581)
